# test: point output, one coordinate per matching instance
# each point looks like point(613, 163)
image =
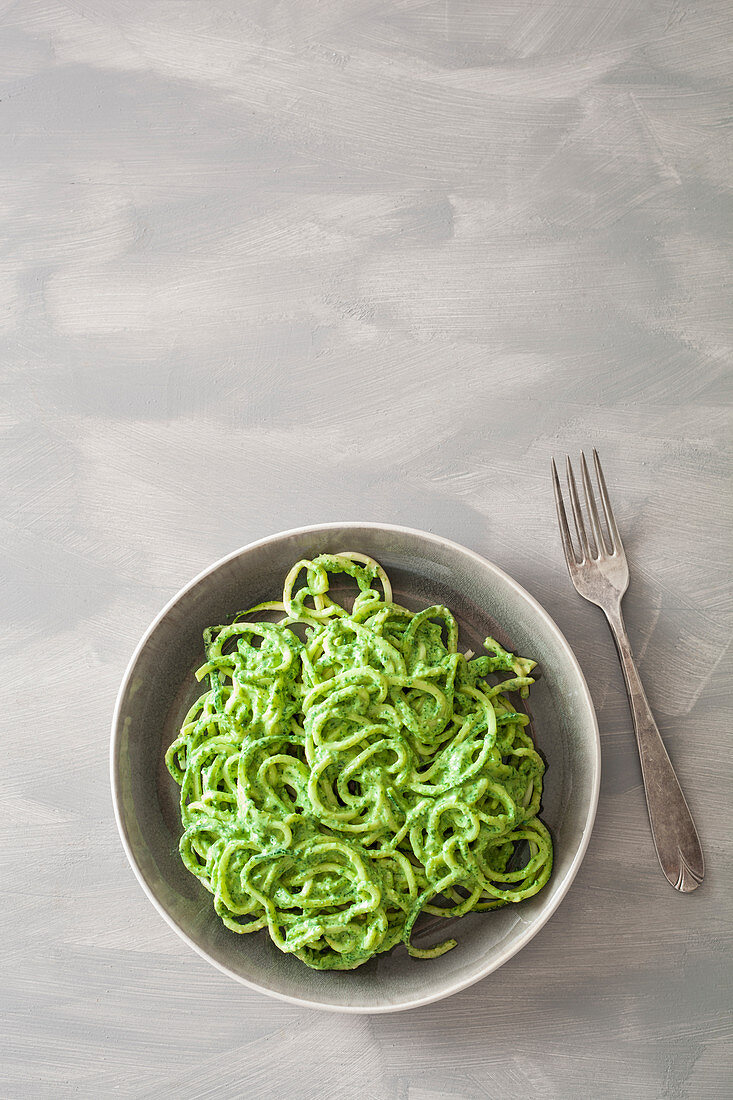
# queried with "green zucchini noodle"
point(337, 785)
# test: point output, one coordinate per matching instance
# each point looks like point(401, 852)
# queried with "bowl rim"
point(516, 945)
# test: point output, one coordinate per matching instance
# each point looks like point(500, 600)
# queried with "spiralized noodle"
point(335, 788)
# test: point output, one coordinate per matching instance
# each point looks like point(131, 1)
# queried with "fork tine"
point(577, 514)
point(616, 544)
point(567, 542)
point(590, 502)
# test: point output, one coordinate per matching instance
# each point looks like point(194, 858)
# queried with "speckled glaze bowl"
point(159, 687)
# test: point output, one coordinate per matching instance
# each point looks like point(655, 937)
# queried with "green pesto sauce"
point(334, 788)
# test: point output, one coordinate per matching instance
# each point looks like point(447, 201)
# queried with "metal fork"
point(600, 574)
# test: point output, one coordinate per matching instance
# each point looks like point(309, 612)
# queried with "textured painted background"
point(266, 264)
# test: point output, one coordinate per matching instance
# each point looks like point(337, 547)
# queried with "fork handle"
point(673, 830)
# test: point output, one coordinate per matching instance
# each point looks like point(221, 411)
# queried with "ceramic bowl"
point(159, 686)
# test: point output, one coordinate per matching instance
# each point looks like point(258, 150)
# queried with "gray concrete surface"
point(267, 264)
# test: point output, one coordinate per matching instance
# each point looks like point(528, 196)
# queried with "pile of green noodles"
point(334, 788)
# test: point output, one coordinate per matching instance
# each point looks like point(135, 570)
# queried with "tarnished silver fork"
point(600, 573)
